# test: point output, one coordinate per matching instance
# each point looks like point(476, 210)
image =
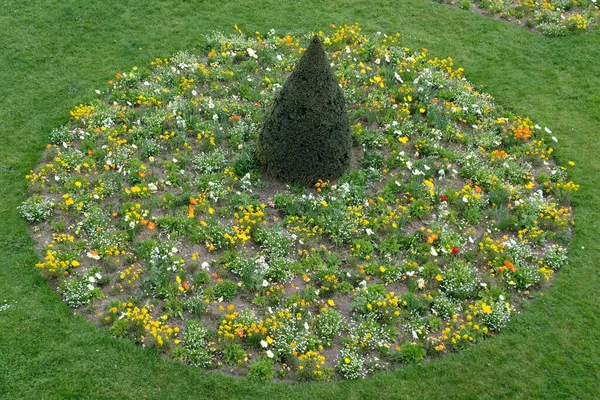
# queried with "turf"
point(54, 54)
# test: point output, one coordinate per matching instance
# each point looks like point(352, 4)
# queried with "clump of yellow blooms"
point(552, 214)
point(59, 261)
point(131, 274)
point(161, 332)
point(246, 218)
point(82, 111)
point(231, 328)
point(313, 361)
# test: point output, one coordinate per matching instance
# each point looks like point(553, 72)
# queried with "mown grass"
point(55, 53)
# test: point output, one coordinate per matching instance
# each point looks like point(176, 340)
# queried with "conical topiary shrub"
point(306, 135)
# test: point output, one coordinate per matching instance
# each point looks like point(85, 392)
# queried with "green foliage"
point(306, 135)
point(233, 354)
point(195, 343)
point(226, 289)
point(262, 370)
point(409, 353)
point(328, 324)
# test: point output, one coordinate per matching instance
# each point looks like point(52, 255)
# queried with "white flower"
point(421, 283)
point(547, 130)
point(90, 286)
point(264, 344)
point(433, 252)
point(265, 283)
point(90, 255)
point(555, 139)
point(92, 279)
point(306, 325)
point(369, 231)
point(251, 53)
point(205, 266)
point(97, 91)
point(270, 354)
point(194, 93)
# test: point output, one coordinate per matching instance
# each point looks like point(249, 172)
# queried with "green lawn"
point(53, 55)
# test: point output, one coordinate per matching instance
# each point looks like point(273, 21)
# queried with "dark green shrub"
point(306, 134)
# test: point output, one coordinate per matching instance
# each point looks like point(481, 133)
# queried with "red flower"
point(455, 249)
point(443, 198)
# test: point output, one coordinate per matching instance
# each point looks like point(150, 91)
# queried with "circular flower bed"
point(153, 220)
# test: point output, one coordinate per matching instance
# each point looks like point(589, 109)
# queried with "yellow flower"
point(347, 360)
point(486, 309)
point(403, 139)
point(572, 163)
point(75, 263)
point(438, 277)
point(331, 302)
point(324, 203)
point(382, 268)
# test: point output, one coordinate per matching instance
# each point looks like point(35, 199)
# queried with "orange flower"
point(151, 226)
point(240, 333)
point(193, 201)
point(144, 222)
point(190, 211)
point(510, 265)
point(186, 286)
point(118, 76)
point(432, 238)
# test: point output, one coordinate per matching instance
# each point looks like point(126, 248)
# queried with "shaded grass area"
point(54, 54)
